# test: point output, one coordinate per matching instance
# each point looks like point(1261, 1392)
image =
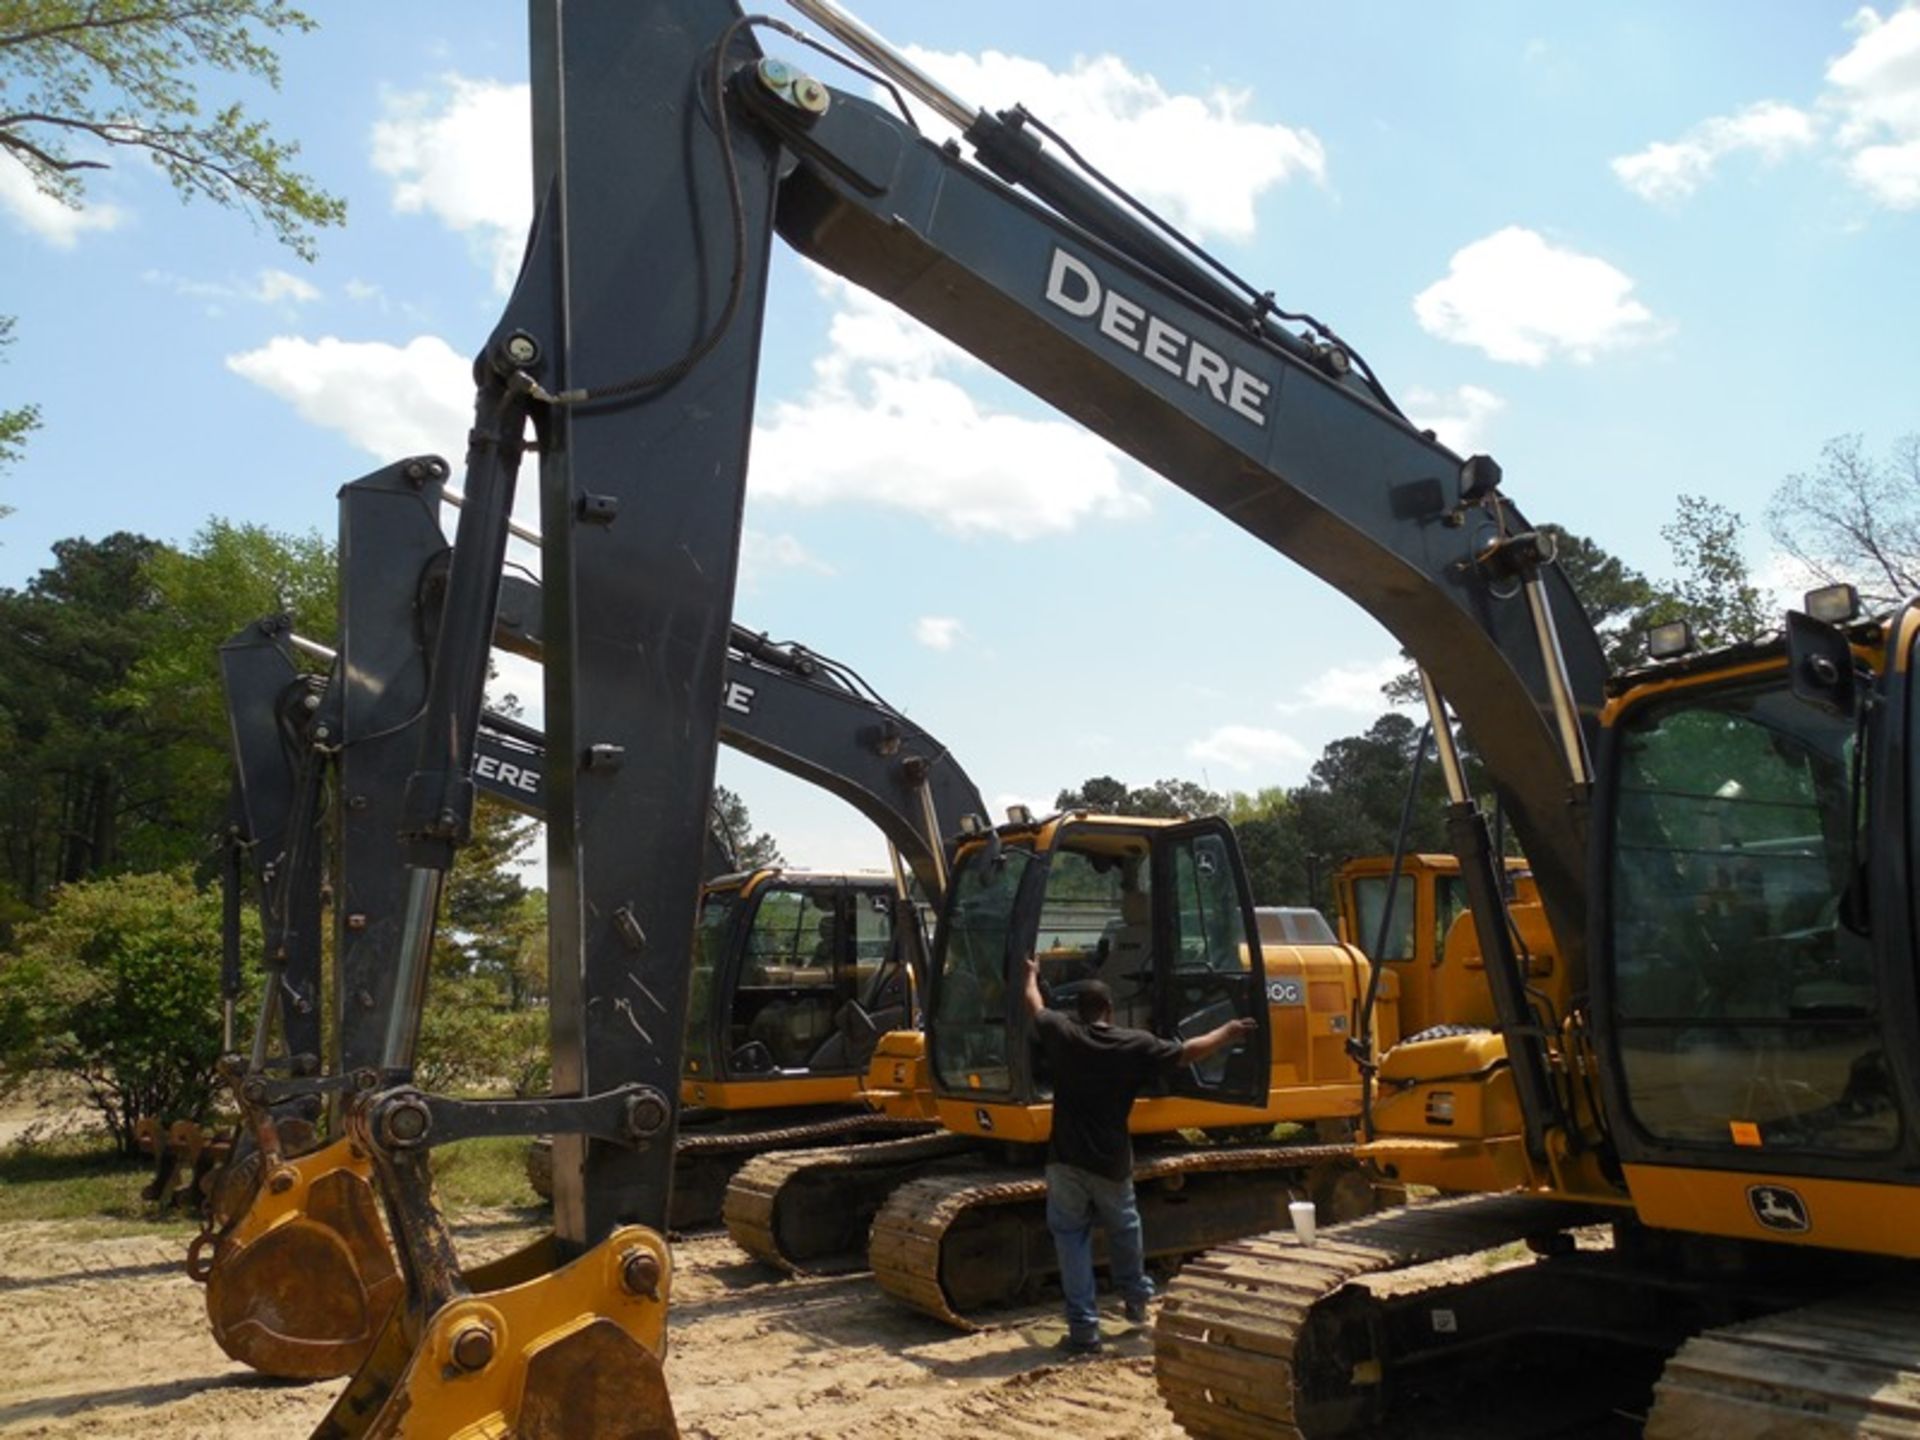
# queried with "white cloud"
point(275, 285)
point(1247, 747)
point(37, 213)
point(1868, 115)
point(269, 287)
point(1875, 90)
point(1459, 418)
point(391, 401)
point(885, 424)
point(1672, 170)
point(463, 155)
point(762, 555)
point(1198, 158)
point(1354, 686)
point(937, 632)
point(1524, 300)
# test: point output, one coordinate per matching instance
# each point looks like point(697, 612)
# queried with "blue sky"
point(1631, 250)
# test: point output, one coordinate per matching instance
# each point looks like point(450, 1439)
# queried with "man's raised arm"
point(1193, 1051)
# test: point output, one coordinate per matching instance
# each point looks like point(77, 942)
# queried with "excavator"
point(1745, 1146)
point(1401, 916)
point(1699, 1141)
point(802, 970)
point(1159, 911)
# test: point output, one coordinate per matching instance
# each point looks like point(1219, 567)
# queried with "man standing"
point(1098, 1068)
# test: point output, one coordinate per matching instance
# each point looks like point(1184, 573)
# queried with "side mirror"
point(1820, 664)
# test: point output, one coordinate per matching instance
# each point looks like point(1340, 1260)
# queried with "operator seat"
point(1127, 965)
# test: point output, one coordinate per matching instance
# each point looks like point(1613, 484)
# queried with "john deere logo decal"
point(1778, 1208)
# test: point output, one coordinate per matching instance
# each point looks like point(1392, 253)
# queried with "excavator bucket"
point(567, 1352)
point(301, 1284)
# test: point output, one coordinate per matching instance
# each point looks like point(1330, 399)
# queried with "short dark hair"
point(1094, 1002)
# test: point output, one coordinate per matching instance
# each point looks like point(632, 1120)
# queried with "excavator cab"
point(1159, 911)
point(1432, 985)
point(1753, 994)
point(810, 970)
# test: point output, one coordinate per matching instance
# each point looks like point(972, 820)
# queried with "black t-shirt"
point(1097, 1070)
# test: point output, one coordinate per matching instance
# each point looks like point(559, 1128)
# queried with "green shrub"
point(117, 982)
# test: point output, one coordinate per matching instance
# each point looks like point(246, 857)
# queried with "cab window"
point(1211, 980)
point(1746, 999)
point(1096, 923)
point(784, 1004)
point(1370, 901)
point(970, 1004)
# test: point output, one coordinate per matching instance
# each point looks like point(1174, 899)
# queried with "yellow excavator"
point(797, 973)
point(1719, 1101)
point(1160, 911)
point(1402, 917)
point(1697, 1124)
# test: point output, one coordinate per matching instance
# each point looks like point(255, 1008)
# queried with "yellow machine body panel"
point(772, 1094)
point(1786, 1209)
point(1428, 901)
point(1311, 1076)
point(898, 1082)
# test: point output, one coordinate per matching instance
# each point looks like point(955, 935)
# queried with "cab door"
point(1208, 959)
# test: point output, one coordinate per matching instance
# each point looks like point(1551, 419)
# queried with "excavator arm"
point(667, 153)
point(1073, 296)
point(298, 1276)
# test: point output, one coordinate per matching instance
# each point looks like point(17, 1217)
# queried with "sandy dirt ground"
point(108, 1338)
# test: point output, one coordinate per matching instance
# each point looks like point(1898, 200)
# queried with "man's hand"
point(1216, 1040)
point(1035, 1001)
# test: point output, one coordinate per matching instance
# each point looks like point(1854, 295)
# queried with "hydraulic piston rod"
point(888, 61)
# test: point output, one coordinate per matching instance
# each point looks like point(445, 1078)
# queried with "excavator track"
point(706, 1160)
point(1235, 1357)
point(1845, 1367)
point(957, 1242)
point(808, 1211)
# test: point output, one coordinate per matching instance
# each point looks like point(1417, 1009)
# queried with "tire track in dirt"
point(108, 1338)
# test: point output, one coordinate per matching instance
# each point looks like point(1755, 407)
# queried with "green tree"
point(1714, 593)
point(474, 1041)
point(17, 423)
point(481, 935)
point(118, 984)
point(1163, 799)
point(751, 850)
point(86, 78)
point(1617, 598)
point(111, 710)
point(229, 576)
point(1854, 519)
point(79, 779)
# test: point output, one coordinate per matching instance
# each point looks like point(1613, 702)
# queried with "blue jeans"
point(1075, 1199)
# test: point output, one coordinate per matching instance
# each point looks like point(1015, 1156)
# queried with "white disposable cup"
point(1301, 1212)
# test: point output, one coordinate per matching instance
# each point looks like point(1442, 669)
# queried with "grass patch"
point(485, 1174)
point(75, 1177)
point(83, 1176)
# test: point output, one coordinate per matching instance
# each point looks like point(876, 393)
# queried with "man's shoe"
point(1137, 1311)
point(1076, 1345)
